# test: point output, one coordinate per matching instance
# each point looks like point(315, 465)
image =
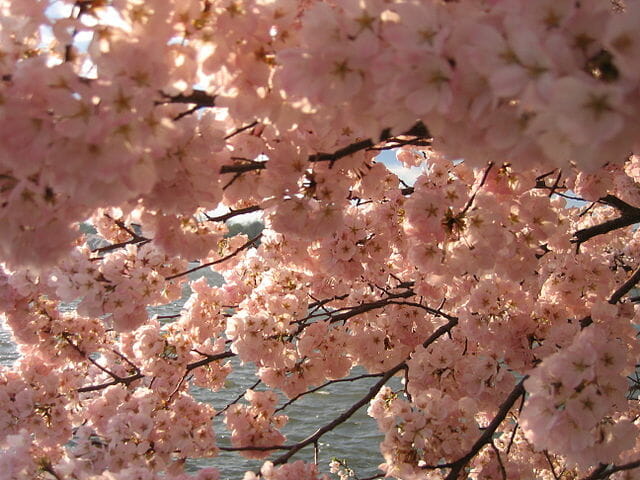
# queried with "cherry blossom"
point(489, 301)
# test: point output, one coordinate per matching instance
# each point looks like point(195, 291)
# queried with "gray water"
point(356, 440)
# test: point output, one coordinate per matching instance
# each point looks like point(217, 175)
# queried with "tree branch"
point(198, 97)
point(326, 384)
point(237, 399)
point(208, 359)
point(365, 307)
point(312, 439)
point(480, 185)
point(135, 238)
point(137, 376)
point(629, 216)
point(604, 471)
point(234, 213)
point(487, 435)
point(240, 130)
point(616, 296)
point(247, 166)
point(419, 130)
point(626, 287)
point(341, 153)
point(220, 260)
point(293, 449)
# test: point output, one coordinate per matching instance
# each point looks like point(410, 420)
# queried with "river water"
point(356, 440)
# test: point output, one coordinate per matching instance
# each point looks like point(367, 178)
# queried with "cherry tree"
point(498, 287)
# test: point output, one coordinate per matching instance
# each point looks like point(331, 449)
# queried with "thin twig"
point(324, 385)
point(473, 196)
point(598, 473)
point(137, 376)
point(626, 287)
point(175, 390)
point(553, 469)
point(616, 296)
point(515, 427)
point(248, 244)
point(503, 470)
point(134, 241)
point(234, 213)
point(629, 216)
point(487, 434)
point(605, 471)
point(419, 130)
point(373, 391)
point(237, 399)
point(241, 129)
point(198, 97)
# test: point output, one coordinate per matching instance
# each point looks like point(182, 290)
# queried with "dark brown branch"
point(366, 307)
point(626, 287)
point(208, 359)
point(419, 130)
point(623, 221)
point(46, 466)
point(553, 469)
point(515, 427)
point(433, 311)
point(234, 213)
point(177, 388)
point(341, 153)
point(240, 130)
point(127, 380)
point(417, 142)
point(323, 302)
point(503, 470)
point(129, 362)
point(486, 437)
point(446, 328)
point(220, 260)
point(324, 385)
point(618, 204)
point(629, 216)
point(198, 97)
point(237, 399)
point(247, 166)
point(134, 240)
point(556, 184)
point(189, 111)
point(337, 314)
point(626, 466)
point(373, 391)
point(604, 471)
point(256, 448)
point(312, 439)
point(101, 386)
point(116, 378)
point(597, 473)
point(616, 296)
point(473, 196)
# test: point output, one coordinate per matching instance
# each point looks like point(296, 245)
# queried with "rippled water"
point(355, 440)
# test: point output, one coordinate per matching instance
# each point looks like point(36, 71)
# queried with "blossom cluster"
point(576, 396)
point(448, 191)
